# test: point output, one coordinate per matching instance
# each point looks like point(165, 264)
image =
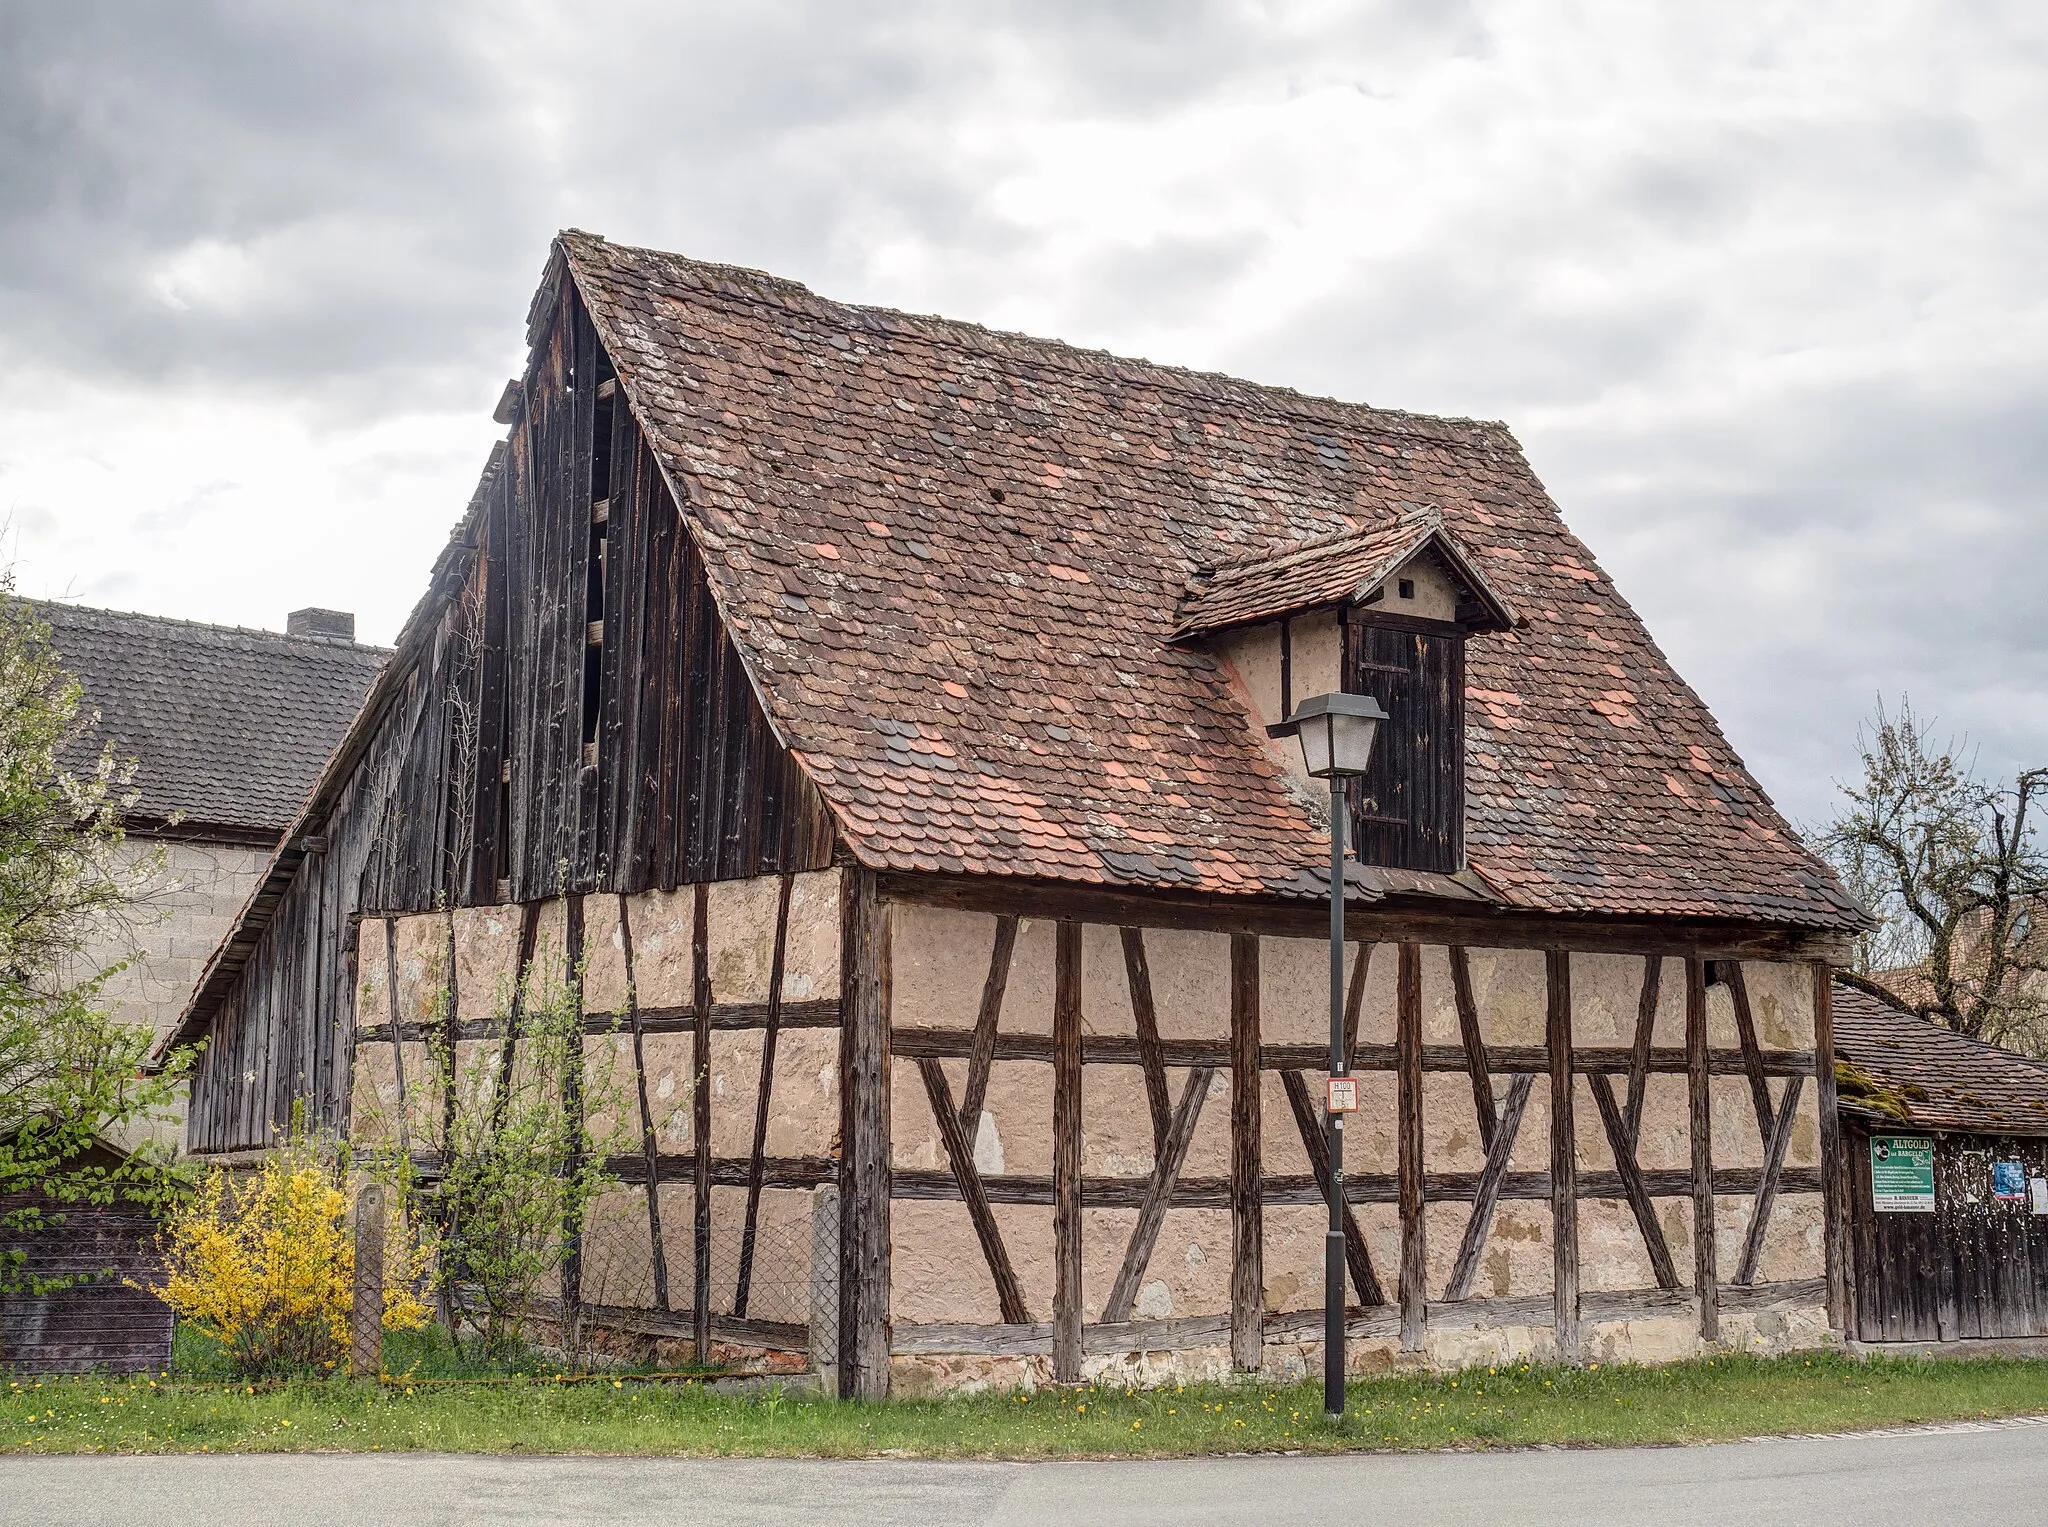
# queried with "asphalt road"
point(1951, 1476)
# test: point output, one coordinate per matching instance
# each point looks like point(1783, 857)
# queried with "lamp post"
point(1336, 733)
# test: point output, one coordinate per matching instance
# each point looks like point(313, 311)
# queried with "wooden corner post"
point(1247, 1263)
point(1414, 1290)
point(1564, 1154)
point(1834, 1198)
point(1699, 1097)
point(366, 1318)
point(864, 1143)
point(1066, 1154)
point(700, 1122)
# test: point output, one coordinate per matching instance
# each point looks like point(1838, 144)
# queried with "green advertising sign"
point(1902, 1174)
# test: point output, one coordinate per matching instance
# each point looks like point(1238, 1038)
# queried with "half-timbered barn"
point(872, 708)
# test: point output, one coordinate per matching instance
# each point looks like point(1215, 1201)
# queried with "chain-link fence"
point(761, 1266)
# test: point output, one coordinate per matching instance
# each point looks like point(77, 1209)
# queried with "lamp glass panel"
point(1351, 743)
point(1316, 745)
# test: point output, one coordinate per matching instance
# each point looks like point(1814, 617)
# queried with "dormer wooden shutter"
point(1409, 810)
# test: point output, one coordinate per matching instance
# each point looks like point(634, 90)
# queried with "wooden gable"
point(566, 713)
point(590, 724)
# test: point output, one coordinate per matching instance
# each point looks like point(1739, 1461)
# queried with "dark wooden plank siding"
point(1975, 1268)
point(474, 786)
point(100, 1323)
point(1408, 812)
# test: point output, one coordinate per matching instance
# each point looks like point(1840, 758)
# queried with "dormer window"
point(1382, 612)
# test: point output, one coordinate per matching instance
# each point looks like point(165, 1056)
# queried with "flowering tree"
point(266, 1266)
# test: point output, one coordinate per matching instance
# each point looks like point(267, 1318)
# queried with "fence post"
point(366, 1321)
point(823, 1340)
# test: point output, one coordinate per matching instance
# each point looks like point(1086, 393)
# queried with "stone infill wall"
point(1174, 1316)
point(1186, 1118)
point(167, 939)
point(656, 1252)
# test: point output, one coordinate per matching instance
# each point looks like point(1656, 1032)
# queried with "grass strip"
point(1504, 1406)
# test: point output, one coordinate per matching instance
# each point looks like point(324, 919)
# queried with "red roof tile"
point(1017, 519)
point(1937, 1077)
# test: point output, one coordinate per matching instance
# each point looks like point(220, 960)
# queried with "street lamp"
point(1336, 733)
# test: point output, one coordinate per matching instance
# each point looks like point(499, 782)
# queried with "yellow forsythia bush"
point(266, 1266)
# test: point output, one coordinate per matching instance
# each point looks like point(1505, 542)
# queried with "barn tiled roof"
point(953, 560)
point(1301, 575)
point(228, 726)
point(1930, 1077)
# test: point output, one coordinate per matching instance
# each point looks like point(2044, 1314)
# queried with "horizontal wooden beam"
point(1035, 1338)
point(677, 1325)
point(822, 1013)
point(923, 1043)
point(1360, 1187)
point(1389, 921)
point(1751, 1298)
point(726, 1171)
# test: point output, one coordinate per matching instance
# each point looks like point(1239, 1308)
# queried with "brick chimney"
point(322, 625)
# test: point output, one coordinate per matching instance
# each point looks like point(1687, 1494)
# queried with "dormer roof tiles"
point(1328, 570)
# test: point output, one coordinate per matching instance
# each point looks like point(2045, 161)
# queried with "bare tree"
point(1952, 869)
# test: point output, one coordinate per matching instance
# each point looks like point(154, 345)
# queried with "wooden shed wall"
point(1977, 1267)
point(571, 718)
point(99, 1325)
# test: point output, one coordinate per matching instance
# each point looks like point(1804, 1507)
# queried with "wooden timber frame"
point(647, 1169)
point(1614, 1079)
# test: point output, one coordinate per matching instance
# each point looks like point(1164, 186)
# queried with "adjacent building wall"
point(166, 937)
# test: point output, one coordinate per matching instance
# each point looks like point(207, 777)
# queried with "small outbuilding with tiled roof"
point(879, 706)
point(227, 729)
point(1945, 1160)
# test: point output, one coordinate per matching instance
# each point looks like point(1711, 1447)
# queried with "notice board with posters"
point(1902, 1174)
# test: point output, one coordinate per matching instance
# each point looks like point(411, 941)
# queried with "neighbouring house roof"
point(229, 727)
point(1895, 1068)
point(1302, 575)
point(954, 561)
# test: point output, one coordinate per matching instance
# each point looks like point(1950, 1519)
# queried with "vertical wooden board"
point(518, 643)
point(1835, 1221)
point(700, 716)
point(1414, 1289)
point(662, 798)
point(494, 583)
point(1564, 1154)
point(700, 1129)
point(1066, 1157)
point(865, 1132)
point(1247, 1279)
point(619, 662)
point(738, 783)
point(1706, 1283)
point(635, 580)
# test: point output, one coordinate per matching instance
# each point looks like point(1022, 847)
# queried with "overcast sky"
point(1760, 288)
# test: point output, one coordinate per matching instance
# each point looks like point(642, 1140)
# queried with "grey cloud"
point(1798, 562)
point(348, 206)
